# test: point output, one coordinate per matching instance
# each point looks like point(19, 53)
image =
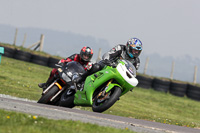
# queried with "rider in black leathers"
point(130, 52)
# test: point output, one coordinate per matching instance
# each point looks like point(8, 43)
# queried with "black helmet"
point(86, 53)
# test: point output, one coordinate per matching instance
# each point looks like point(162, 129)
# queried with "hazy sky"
point(167, 27)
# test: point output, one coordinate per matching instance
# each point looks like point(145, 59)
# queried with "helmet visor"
point(86, 57)
point(134, 51)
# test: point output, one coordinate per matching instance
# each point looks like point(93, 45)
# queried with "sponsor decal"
point(131, 70)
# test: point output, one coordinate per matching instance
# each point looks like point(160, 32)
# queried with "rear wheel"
point(47, 96)
point(67, 99)
point(102, 103)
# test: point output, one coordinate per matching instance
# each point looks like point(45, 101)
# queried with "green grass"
point(12, 122)
point(20, 79)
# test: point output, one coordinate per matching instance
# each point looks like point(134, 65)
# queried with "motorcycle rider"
point(84, 58)
point(130, 52)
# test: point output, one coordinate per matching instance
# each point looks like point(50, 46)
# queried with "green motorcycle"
point(103, 88)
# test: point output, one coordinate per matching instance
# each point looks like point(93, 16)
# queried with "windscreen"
point(130, 67)
point(74, 67)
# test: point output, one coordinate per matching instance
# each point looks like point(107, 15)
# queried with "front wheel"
point(67, 99)
point(47, 96)
point(101, 104)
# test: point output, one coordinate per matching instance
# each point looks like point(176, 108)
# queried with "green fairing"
point(91, 83)
point(84, 97)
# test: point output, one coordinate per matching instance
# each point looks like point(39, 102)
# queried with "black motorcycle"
point(63, 81)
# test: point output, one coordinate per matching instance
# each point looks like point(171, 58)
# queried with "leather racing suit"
point(120, 51)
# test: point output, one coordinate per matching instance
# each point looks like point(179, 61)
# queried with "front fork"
point(102, 93)
point(61, 90)
point(49, 87)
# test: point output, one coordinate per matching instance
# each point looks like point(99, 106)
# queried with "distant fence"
point(176, 88)
point(39, 44)
point(172, 70)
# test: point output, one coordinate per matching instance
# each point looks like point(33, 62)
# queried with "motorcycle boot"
point(80, 86)
point(44, 85)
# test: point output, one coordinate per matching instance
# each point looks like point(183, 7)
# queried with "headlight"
point(65, 77)
point(69, 74)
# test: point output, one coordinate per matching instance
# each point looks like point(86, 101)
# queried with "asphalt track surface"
point(58, 113)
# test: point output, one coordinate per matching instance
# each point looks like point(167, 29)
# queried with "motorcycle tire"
point(67, 99)
point(46, 97)
point(113, 97)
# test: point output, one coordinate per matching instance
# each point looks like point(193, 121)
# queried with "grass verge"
point(13, 122)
